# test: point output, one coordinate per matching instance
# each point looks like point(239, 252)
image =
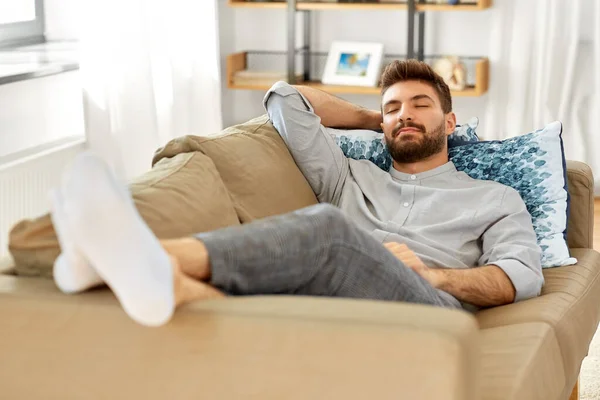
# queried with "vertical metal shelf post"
point(412, 12)
point(291, 39)
point(421, 54)
point(291, 51)
point(306, 55)
point(412, 9)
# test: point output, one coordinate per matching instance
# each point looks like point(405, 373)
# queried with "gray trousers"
point(314, 251)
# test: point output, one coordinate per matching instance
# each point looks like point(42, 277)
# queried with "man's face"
point(414, 123)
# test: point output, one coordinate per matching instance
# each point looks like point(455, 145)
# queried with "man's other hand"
point(412, 261)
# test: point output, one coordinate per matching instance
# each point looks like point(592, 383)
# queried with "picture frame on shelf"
point(353, 63)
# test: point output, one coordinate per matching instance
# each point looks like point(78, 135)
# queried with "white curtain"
point(545, 57)
point(150, 71)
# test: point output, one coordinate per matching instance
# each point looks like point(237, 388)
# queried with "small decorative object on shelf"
point(353, 63)
point(453, 71)
point(451, 2)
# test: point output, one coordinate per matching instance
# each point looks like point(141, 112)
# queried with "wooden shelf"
point(238, 62)
point(481, 5)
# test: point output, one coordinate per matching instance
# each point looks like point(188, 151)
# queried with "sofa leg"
point(575, 392)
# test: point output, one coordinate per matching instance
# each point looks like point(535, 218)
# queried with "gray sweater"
point(447, 218)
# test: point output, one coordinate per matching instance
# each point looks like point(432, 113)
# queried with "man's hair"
point(413, 70)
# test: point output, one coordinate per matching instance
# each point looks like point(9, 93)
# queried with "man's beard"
point(410, 150)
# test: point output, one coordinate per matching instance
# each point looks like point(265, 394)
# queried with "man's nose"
point(405, 114)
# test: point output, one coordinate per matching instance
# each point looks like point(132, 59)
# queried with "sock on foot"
point(109, 232)
point(72, 272)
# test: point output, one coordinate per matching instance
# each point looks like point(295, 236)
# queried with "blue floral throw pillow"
point(535, 166)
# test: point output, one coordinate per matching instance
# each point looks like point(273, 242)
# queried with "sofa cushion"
point(521, 361)
point(183, 195)
point(533, 164)
point(180, 196)
point(256, 166)
point(570, 304)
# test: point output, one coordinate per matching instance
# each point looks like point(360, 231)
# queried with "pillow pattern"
point(534, 165)
point(363, 144)
point(465, 133)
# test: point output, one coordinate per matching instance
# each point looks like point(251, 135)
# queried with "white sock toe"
point(72, 272)
point(110, 233)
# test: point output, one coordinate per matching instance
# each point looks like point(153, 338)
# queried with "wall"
point(40, 111)
point(462, 33)
point(62, 19)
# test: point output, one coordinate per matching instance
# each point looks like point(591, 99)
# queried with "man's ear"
point(381, 125)
point(450, 123)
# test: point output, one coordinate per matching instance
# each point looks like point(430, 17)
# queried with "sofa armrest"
point(580, 232)
point(262, 347)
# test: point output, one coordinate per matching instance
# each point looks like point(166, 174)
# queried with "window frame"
point(26, 32)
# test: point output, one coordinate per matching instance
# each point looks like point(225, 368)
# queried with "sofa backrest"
point(580, 232)
point(255, 165)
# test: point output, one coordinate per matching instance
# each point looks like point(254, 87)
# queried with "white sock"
point(72, 272)
point(108, 230)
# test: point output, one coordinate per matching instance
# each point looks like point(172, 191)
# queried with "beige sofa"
point(55, 346)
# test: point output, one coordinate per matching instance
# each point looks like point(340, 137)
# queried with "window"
point(21, 21)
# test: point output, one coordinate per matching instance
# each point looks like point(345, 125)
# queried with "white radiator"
point(26, 179)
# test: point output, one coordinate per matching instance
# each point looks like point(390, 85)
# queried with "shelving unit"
point(416, 8)
point(310, 6)
point(239, 62)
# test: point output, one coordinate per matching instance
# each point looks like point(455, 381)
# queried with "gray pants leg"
point(315, 251)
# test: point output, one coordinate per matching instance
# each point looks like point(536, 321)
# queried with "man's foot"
point(111, 235)
point(72, 272)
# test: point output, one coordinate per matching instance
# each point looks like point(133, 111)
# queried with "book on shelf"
point(261, 77)
point(452, 2)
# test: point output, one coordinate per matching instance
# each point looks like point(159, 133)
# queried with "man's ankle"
point(191, 255)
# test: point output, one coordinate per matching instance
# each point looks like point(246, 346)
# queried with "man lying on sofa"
point(422, 232)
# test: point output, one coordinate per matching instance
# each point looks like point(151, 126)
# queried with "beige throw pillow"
point(256, 166)
point(180, 196)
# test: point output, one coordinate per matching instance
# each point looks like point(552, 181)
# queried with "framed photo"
point(353, 63)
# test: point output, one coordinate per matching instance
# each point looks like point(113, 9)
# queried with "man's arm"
point(511, 262)
point(337, 113)
point(512, 267)
point(321, 161)
point(482, 286)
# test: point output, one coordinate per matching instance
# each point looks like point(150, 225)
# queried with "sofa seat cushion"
point(521, 362)
point(256, 166)
point(179, 196)
point(260, 347)
point(570, 304)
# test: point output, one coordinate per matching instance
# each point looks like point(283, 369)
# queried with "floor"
point(590, 369)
